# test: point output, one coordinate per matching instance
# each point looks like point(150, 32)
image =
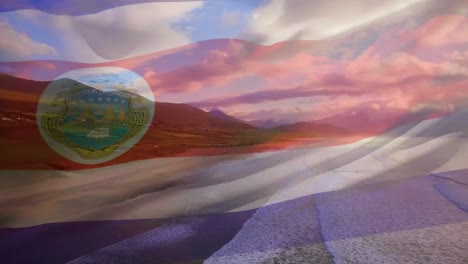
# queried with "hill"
point(184, 115)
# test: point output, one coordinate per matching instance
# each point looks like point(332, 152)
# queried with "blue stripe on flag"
point(355, 212)
point(73, 7)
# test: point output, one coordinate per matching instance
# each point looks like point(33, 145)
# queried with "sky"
point(295, 60)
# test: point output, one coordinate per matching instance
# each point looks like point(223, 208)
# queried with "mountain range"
point(21, 102)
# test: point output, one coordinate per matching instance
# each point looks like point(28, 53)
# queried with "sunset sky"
point(259, 59)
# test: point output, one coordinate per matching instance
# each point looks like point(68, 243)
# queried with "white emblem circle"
point(98, 78)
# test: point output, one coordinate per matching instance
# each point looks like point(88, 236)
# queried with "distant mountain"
point(364, 121)
point(269, 123)
point(221, 115)
point(355, 121)
point(316, 129)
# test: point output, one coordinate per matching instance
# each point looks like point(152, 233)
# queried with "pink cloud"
point(438, 35)
point(441, 31)
point(217, 69)
point(373, 67)
point(272, 95)
point(219, 63)
point(382, 67)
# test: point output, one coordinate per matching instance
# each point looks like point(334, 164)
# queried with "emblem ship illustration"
point(99, 132)
point(109, 118)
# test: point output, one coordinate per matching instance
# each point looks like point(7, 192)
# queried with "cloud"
point(373, 67)
point(217, 68)
point(401, 78)
point(280, 20)
point(230, 19)
point(15, 45)
point(441, 31)
point(269, 95)
point(116, 33)
point(217, 63)
point(433, 38)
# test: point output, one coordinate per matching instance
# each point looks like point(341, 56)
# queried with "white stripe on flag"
point(172, 187)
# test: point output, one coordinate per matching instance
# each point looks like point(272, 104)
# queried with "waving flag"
point(272, 131)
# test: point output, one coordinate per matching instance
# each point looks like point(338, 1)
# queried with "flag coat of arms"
point(263, 131)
